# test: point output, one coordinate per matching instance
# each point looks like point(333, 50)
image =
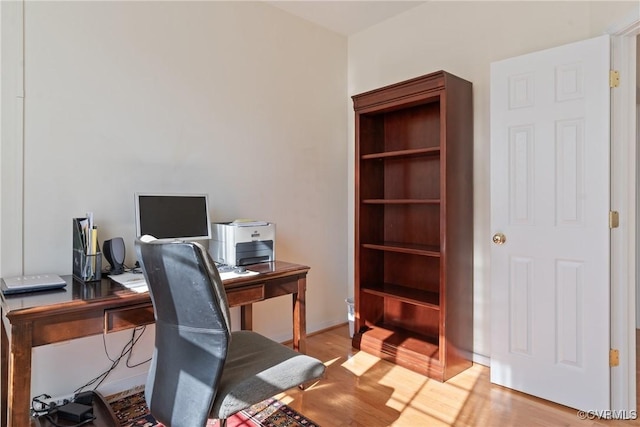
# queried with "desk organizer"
point(87, 258)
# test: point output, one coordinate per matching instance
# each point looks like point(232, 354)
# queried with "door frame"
point(624, 240)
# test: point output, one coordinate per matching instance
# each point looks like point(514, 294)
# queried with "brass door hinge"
point(614, 357)
point(614, 219)
point(614, 78)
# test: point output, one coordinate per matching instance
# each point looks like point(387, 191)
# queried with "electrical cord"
point(135, 269)
point(130, 353)
point(38, 407)
point(126, 351)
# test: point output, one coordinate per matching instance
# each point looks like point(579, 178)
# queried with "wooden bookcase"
point(414, 224)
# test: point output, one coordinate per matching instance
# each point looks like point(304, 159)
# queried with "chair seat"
point(258, 368)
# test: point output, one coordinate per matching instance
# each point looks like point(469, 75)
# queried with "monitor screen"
point(173, 216)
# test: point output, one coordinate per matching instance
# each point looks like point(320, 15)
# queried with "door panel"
point(550, 199)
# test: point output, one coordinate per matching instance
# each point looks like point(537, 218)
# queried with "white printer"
point(242, 242)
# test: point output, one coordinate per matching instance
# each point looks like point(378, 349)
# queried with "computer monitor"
point(173, 216)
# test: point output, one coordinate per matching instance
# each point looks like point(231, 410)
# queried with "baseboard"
point(481, 359)
point(286, 338)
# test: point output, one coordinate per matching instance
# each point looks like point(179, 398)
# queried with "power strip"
point(58, 400)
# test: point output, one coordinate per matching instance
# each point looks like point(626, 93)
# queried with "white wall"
point(464, 38)
point(11, 87)
point(236, 99)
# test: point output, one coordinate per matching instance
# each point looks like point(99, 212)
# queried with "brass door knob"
point(499, 238)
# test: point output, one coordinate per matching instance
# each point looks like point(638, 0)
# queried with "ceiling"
point(345, 17)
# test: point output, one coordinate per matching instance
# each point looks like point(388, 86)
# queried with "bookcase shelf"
point(424, 250)
point(414, 224)
point(409, 295)
point(401, 201)
point(433, 151)
point(401, 346)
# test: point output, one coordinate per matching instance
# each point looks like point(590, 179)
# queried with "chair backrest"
point(192, 330)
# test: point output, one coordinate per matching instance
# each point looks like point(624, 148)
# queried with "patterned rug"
point(131, 410)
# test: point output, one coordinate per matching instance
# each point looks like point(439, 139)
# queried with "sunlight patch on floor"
point(432, 400)
point(469, 379)
point(422, 398)
point(332, 361)
point(360, 363)
point(284, 398)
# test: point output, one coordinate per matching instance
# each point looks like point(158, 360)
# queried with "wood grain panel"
point(242, 296)
point(119, 319)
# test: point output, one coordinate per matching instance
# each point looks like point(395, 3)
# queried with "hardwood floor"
point(362, 390)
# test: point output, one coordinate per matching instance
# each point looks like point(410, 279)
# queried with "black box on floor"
point(75, 412)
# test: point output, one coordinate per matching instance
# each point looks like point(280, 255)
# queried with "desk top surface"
point(78, 294)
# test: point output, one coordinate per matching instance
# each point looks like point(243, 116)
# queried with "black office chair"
point(200, 369)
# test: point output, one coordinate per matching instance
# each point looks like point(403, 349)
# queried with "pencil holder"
point(87, 258)
point(87, 268)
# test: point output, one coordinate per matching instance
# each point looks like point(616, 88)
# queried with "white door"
point(550, 219)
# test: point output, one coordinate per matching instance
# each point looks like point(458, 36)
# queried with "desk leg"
point(246, 317)
point(20, 375)
point(300, 317)
point(4, 369)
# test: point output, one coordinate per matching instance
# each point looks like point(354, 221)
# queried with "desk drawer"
point(118, 319)
point(247, 295)
point(62, 328)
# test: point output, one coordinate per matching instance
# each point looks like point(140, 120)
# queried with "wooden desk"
point(82, 310)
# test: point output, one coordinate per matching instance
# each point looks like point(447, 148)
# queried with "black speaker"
point(113, 250)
